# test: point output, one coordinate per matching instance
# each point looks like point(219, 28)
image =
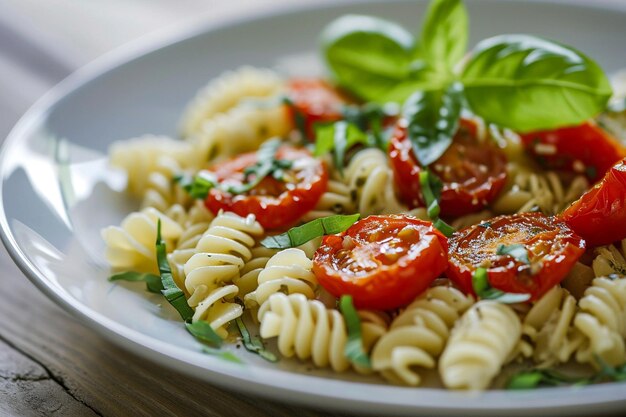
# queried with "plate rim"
point(230, 375)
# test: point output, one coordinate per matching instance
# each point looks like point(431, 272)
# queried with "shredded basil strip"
point(226, 355)
point(431, 191)
point(550, 378)
point(266, 165)
point(203, 331)
point(153, 282)
point(517, 251)
point(174, 295)
point(482, 288)
point(354, 346)
point(337, 138)
point(299, 235)
point(199, 186)
point(254, 344)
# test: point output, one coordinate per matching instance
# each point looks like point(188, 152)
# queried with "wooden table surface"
point(50, 363)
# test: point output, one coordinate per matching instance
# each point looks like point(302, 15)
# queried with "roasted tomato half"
point(551, 248)
point(314, 101)
point(473, 173)
point(275, 203)
point(599, 215)
point(585, 149)
point(383, 262)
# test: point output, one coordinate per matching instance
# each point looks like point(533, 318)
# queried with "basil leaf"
point(527, 83)
point(299, 235)
point(172, 293)
point(153, 282)
point(199, 186)
point(431, 187)
point(516, 251)
point(367, 55)
point(267, 164)
point(433, 118)
point(444, 34)
point(203, 331)
point(338, 137)
point(482, 288)
point(223, 354)
point(525, 380)
point(354, 346)
point(254, 344)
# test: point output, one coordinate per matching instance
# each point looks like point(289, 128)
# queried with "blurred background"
point(42, 41)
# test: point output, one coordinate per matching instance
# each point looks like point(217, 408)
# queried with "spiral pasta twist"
point(479, 344)
point(371, 183)
point(131, 246)
point(610, 259)
point(418, 335)
point(248, 280)
point(139, 157)
point(220, 255)
point(336, 200)
point(602, 319)
point(549, 327)
point(289, 271)
point(225, 92)
point(161, 191)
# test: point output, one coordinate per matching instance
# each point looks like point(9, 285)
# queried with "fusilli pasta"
point(610, 259)
point(479, 344)
point(418, 335)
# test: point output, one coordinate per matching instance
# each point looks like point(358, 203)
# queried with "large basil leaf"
point(370, 56)
point(433, 118)
point(444, 34)
point(527, 83)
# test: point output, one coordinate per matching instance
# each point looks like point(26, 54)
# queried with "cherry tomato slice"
point(585, 149)
point(383, 262)
point(473, 173)
point(599, 215)
point(314, 101)
point(276, 204)
point(552, 249)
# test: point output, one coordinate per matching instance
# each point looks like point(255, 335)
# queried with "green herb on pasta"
point(153, 282)
point(354, 346)
point(197, 187)
point(431, 190)
point(254, 344)
point(516, 251)
point(300, 235)
point(203, 331)
point(484, 290)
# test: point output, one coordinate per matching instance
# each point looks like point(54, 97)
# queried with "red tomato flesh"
point(599, 215)
point(585, 149)
point(276, 204)
point(315, 101)
point(383, 262)
point(472, 173)
point(552, 247)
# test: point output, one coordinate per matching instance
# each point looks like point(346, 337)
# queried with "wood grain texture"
point(52, 364)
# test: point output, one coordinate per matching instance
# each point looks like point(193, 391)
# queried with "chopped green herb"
point(299, 235)
point(431, 191)
point(354, 346)
point(298, 117)
point(517, 251)
point(338, 137)
point(266, 164)
point(172, 293)
point(199, 186)
point(203, 331)
point(254, 344)
point(482, 288)
point(226, 355)
point(153, 282)
point(486, 225)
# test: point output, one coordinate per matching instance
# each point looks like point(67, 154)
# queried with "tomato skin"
point(315, 101)
point(552, 246)
point(467, 187)
point(275, 204)
point(585, 148)
point(600, 214)
point(355, 262)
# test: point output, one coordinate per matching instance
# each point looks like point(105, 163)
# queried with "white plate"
point(57, 193)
